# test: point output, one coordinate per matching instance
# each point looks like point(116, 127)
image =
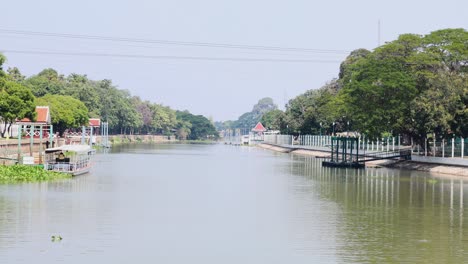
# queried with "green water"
point(225, 204)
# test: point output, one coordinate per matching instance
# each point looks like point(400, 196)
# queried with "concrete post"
point(412, 144)
point(91, 136)
point(19, 142)
point(453, 147)
point(40, 145)
point(425, 147)
point(51, 135)
point(462, 147)
point(393, 143)
point(443, 148)
point(31, 140)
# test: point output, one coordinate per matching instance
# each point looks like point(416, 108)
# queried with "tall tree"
point(15, 75)
point(16, 102)
point(201, 127)
point(164, 119)
point(274, 120)
point(2, 60)
point(47, 81)
point(81, 88)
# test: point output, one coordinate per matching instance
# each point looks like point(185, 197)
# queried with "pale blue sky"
point(220, 89)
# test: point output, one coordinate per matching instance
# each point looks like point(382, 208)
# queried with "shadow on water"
point(391, 215)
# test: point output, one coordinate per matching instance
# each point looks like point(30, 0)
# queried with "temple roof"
point(43, 116)
point(259, 128)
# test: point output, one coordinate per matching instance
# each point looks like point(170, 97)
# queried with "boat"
point(72, 159)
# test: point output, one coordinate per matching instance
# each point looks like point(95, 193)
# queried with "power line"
point(171, 42)
point(165, 57)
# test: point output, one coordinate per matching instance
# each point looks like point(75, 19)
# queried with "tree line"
point(75, 98)
point(414, 86)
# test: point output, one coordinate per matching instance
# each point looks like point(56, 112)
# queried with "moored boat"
point(73, 159)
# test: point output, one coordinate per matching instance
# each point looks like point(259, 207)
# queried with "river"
point(225, 204)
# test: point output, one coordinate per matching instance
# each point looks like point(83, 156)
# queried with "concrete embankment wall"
point(12, 144)
point(9, 147)
point(274, 148)
point(140, 138)
point(441, 161)
point(300, 151)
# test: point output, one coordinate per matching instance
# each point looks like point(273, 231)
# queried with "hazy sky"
point(221, 89)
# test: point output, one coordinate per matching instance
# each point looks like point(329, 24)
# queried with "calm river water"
point(225, 204)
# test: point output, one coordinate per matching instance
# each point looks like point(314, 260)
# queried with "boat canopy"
point(71, 148)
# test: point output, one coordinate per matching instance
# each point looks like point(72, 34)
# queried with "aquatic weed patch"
point(23, 173)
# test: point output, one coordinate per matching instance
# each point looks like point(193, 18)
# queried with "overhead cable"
point(165, 57)
point(171, 42)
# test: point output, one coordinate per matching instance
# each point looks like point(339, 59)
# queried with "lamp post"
point(320, 128)
point(333, 127)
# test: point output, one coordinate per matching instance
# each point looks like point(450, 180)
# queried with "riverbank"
point(397, 164)
point(122, 139)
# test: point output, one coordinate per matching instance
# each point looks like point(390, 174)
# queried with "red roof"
point(259, 128)
point(43, 116)
point(94, 122)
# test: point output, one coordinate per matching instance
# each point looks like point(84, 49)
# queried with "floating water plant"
point(56, 238)
point(26, 173)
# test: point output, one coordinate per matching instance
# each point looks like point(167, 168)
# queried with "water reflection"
point(225, 204)
point(392, 215)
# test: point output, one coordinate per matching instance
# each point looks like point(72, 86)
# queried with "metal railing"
point(445, 148)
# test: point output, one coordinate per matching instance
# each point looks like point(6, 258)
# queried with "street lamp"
point(333, 129)
point(320, 128)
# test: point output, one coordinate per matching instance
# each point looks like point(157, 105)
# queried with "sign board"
point(28, 160)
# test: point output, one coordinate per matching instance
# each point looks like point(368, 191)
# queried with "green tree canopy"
point(16, 102)
point(80, 87)
point(47, 81)
point(274, 120)
point(15, 75)
point(201, 127)
point(2, 60)
point(314, 111)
